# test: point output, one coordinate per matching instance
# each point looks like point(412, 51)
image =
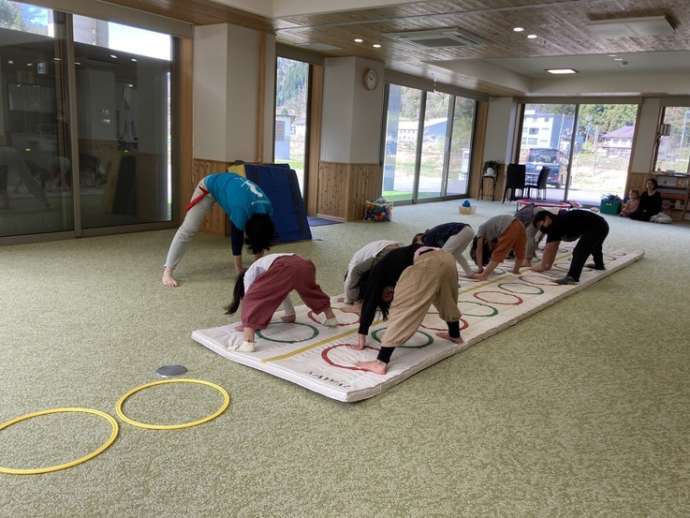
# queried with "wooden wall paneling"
point(344, 189)
point(216, 221)
point(478, 151)
point(364, 184)
point(261, 99)
point(315, 119)
point(332, 186)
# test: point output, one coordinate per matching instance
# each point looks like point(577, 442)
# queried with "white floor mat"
point(319, 359)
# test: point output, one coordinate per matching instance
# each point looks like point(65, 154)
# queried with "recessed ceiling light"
point(113, 56)
point(77, 63)
point(518, 29)
point(130, 85)
point(618, 59)
point(531, 36)
point(57, 59)
point(612, 55)
point(133, 60)
point(559, 71)
point(29, 64)
point(377, 45)
point(358, 40)
point(10, 62)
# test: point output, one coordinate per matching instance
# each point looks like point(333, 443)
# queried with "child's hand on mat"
point(361, 342)
point(288, 319)
point(446, 336)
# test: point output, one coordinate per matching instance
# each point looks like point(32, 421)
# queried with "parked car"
point(538, 157)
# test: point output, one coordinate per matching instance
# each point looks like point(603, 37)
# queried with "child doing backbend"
point(268, 283)
point(432, 279)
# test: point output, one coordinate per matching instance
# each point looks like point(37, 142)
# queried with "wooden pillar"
point(315, 118)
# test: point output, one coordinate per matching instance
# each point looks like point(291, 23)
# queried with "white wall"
point(352, 115)
point(643, 148)
point(622, 83)
point(500, 129)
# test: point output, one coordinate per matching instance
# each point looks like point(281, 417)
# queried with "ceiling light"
point(29, 64)
point(531, 36)
point(10, 62)
point(618, 59)
point(57, 59)
point(612, 55)
point(130, 85)
point(358, 40)
point(377, 45)
point(113, 56)
point(559, 71)
point(77, 63)
point(518, 29)
point(133, 60)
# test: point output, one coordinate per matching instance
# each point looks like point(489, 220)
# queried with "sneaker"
point(593, 266)
point(566, 280)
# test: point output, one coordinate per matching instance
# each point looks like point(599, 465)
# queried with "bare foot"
point(351, 308)
point(375, 366)
point(361, 343)
point(446, 336)
point(239, 327)
point(288, 319)
point(168, 279)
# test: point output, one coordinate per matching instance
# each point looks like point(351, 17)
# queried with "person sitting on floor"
point(267, 284)
point(245, 204)
point(452, 237)
point(650, 203)
point(362, 261)
point(499, 235)
point(633, 203)
point(583, 225)
point(432, 279)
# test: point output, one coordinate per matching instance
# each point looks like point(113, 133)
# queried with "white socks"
point(247, 347)
point(330, 322)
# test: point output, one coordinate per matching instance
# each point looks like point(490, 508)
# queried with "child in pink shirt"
point(632, 204)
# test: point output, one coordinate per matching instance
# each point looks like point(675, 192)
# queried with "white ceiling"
point(280, 8)
point(673, 61)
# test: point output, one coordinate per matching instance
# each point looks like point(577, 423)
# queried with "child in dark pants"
point(266, 284)
point(583, 225)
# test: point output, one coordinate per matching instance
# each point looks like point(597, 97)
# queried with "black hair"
point(541, 216)
point(259, 232)
point(237, 295)
point(417, 236)
point(654, 182)
point(486, 252)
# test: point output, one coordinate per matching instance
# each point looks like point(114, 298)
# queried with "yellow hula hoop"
point(50, 469)
point(121, 402)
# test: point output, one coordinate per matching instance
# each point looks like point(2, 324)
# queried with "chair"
point(540, 186)
point(490, 171)
point(515, 179)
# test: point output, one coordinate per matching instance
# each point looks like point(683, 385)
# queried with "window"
point(534, 131)
point(292, 107)
point(461, 146)
point(437, 164)
point(400, 146)
point(599, 139)
point(673, 154)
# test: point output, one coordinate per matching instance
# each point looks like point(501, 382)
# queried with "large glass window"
point(603, 143)
point(601, 137)
point(433, 145)
point(437, 164)
point(673, 154)
point(547, 131)
point(292, 107)
point(35, 159)
point(461, 146)
point(400, 146)
point(124, 102)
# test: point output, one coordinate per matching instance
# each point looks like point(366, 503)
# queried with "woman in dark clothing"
point(650, 203)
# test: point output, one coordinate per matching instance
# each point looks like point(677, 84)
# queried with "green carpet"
point(581, 410)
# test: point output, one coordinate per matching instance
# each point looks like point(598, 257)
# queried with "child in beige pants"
point(432, 279)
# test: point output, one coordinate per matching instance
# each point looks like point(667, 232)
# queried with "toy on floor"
point(379, 210)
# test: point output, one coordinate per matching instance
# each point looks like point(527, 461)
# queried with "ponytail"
point(237, 295)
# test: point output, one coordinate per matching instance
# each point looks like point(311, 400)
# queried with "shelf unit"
point(675, 187)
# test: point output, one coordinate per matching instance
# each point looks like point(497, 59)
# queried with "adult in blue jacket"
point(248, 208)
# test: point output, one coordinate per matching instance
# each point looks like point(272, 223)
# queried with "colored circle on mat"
point(119, 407)
point(520, 288)
point(564, 266)
point(464, 323)
point(492, 310)
point(353, 318)
point(115, 428)
point(415, 342)
point(536, 280)
point(481, 295)
point(325, 355)
point(281, 329)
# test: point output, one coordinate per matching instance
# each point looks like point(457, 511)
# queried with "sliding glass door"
point(106, 159)
point(35, 158)
point(291, 116)
point(427, 145)
point(586, 147)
